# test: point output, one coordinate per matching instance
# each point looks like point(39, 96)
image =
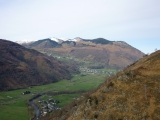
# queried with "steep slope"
point(110, 54)
point(132, 94)
point(21, 67)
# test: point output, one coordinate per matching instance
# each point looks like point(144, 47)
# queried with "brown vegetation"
point(113, 54)
point(133, 93)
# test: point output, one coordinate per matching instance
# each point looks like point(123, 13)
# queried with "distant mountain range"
point(58, 40)
point(132, 94)
point(111, 54)
point(22, 67)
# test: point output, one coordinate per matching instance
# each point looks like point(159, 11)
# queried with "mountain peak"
point(56, 40)
point(77, 39)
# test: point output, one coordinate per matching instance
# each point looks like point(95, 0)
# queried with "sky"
point(136, 22)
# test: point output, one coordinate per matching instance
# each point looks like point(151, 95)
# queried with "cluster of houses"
point(93, 71)
point(59, 57)
point(47, 106)
point(50, 54)
point(87, 70)
point(70, 58)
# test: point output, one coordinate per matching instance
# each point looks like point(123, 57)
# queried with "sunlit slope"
point(110, 54)
point(133, 93)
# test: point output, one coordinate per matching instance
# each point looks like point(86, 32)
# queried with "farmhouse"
point(26, 92)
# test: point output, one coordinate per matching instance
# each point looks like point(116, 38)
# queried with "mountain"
point(45, 43)
point(110, 54)
point(132, 94)
point(22, 67)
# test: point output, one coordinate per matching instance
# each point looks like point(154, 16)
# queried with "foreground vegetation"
point(132, 94)
point(13, 103)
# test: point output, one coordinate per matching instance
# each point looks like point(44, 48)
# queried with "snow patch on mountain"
point(56, 39)
point(77, 39)
point(25, 41)
point(65, 39)
point(74, 39)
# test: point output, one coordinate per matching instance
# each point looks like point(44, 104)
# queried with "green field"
point(13, 103)
point(14, 111)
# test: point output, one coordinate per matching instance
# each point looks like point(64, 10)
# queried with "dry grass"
point(133, 93)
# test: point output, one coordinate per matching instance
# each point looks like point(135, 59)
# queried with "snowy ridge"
point(77, 39)
point(65, 39)
point(58, 40)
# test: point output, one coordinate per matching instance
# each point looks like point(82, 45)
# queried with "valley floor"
point(13, 103)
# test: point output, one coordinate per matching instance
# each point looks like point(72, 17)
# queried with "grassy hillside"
point(132, 94)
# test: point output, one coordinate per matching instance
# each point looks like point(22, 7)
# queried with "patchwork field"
point(13, 103)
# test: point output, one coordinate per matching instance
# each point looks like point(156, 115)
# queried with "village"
point(47, 106)
point(85, 69)
point(94, 71)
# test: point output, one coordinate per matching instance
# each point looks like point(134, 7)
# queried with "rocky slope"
point(132, 94)
point(110, 54)
point(21, 67)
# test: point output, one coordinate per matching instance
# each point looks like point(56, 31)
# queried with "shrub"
point(96, 101)
point(96, 116)
point(111, 84)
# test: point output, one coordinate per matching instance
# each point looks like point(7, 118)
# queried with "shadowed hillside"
point(21, 67)
point(132, 94)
